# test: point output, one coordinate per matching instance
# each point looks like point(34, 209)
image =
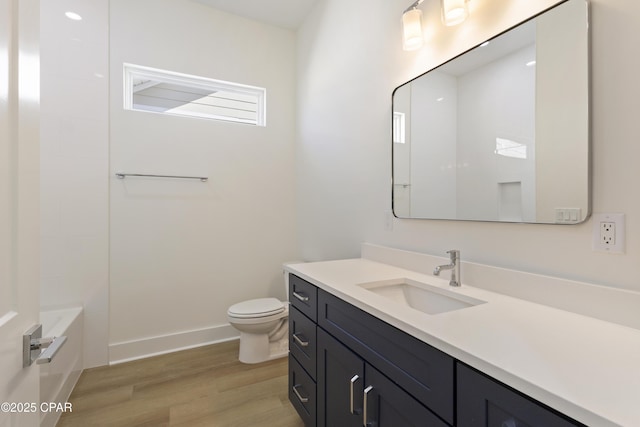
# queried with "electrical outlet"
point(608, 233)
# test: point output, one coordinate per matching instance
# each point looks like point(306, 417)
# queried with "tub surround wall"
point(58, 378)
point(182, 252)
point(74, 141)
point(347, 71)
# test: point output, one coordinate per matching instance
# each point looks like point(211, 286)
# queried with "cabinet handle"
point(352, 384)
point(302, 398)
point(301, 297)
point(299, 341)
point(367, 390)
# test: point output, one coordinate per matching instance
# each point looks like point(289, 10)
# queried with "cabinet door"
point(387, 405)
point(483, 402)
point(340, 383)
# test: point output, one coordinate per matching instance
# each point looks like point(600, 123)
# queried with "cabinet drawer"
point(484, 402)
point(421, 370)
point(302, 392)
point(302, 340)
point(303, 296)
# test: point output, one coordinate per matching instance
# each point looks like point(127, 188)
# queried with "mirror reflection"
point(500, 133)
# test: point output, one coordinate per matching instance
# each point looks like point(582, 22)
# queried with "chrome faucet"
point(454, 266)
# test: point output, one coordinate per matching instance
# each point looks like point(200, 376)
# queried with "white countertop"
point(586, 368)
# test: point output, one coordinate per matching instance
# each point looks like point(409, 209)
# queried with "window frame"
point(132, 71)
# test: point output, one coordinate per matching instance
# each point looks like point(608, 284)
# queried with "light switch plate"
point(568, 215)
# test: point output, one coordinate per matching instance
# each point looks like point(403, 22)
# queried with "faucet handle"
point(454, 253)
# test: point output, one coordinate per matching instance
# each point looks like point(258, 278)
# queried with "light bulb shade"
point(412, 29)
point(454, 11)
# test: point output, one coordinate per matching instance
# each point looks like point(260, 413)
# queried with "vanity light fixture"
point(412, 27)
point(453, 12)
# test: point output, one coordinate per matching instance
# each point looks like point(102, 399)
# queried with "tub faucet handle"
point(33, 343)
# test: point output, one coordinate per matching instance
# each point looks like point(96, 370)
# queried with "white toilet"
point(264, 326)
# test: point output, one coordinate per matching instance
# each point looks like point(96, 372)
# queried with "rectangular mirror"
point(501, 132)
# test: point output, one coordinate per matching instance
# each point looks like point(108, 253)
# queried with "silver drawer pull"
point(301, 297)
point(300, 397)
point(365, 422)
point(352, 384)
point(299, 341)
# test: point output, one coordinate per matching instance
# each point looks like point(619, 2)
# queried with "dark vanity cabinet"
point(351, 392)
point(341, 361)
point(484, 402)
point(303, 297)
point(422, 390)
point(349, 368)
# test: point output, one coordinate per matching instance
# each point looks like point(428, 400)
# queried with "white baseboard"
point(153, 346)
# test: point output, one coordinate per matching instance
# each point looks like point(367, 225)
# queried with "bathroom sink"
point(420, 296)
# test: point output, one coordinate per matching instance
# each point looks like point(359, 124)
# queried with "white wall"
point(348, 68)
point(343, 159)
point(73, 166)
point(182, 252)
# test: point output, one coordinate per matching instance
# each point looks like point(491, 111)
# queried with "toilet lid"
point(256, 308)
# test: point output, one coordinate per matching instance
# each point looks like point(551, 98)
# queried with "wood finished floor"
point(206, 386)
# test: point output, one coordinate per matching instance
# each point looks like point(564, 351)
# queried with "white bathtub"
point(58, 378)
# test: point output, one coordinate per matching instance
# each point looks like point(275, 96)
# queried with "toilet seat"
point(263, 324)
point(256, 308)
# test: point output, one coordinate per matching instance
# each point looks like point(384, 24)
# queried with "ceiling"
point(282, 13)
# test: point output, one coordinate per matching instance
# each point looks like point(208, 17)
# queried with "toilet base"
point(256, 348)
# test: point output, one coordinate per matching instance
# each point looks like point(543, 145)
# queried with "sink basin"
point(420, 296)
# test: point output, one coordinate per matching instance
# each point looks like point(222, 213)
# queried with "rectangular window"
point(168, 92)
point(509, 148)
point(398, 127)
